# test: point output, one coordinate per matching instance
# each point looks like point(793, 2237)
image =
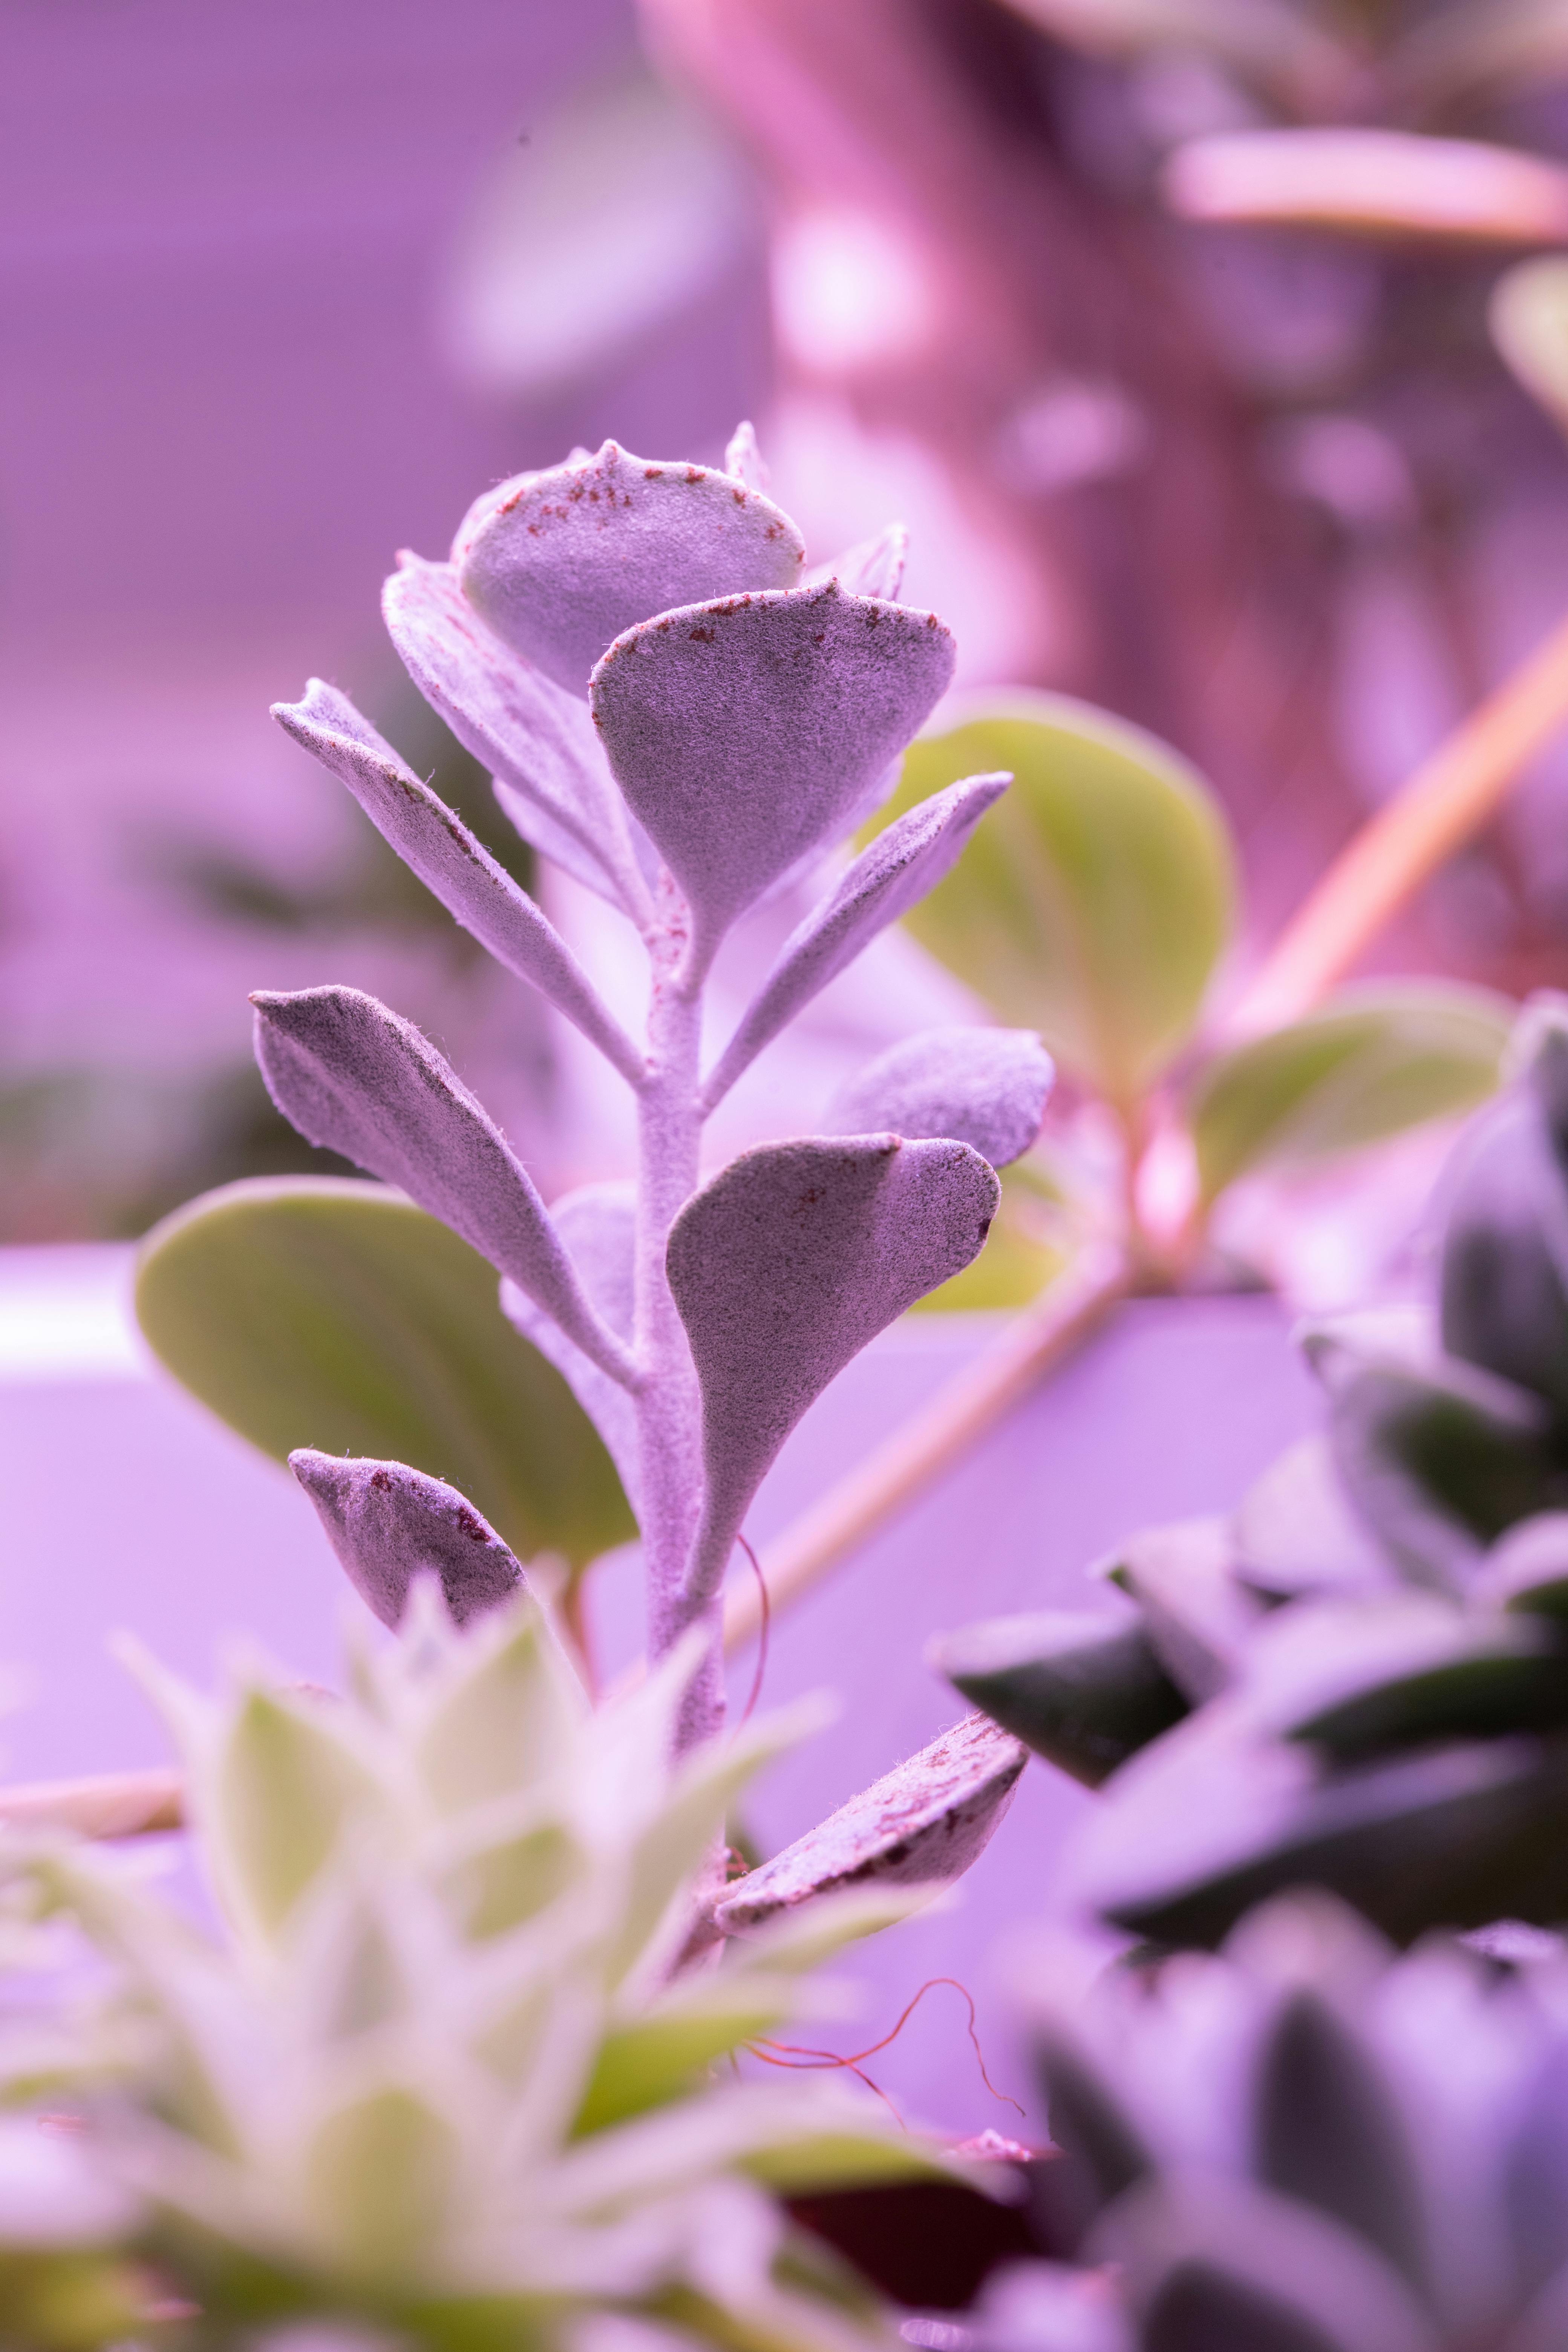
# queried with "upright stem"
point(669, 1407)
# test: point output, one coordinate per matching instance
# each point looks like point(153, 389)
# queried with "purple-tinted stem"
point(669, 1407)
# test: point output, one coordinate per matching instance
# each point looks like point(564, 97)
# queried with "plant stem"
point(1037, 1339)
point(1447, 800)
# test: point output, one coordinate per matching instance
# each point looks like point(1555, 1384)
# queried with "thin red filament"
point(810, 2059)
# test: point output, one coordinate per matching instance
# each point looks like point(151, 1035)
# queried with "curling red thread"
point(765, 1630)
point(813, 2059)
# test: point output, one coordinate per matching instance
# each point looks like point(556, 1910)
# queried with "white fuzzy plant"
point(434, 2075)
point(684, 721)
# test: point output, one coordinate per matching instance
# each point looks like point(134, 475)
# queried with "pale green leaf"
point(275, 1797)
point(1094, 899)
point(1369, 1064)
point(312, 1311)
point(506, 1717)
point(380, 2180)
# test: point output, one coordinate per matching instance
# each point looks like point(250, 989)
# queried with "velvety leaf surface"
point(388, 1523)
point(1504, 1294)
point(559, 564)
point(1095, 901)
point(359, 1079)
point(1198, 1616)
point(1084, 1692)
point(745, 731)
point(986, 1088)
point(598, 1225)
point(921, 1825)
point(784, 1266)
point(1370, 1063)
point(885, 881)
point(537, 740)
point(435, 845)
point(310, 1311)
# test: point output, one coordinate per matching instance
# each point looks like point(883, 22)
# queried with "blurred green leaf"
point(1094, 899)
point(331, 1313)
point(1529, 321)
point(1084, 1692)
point(1367, 1064)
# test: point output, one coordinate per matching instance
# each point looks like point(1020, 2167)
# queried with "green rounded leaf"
point(1084, 1691)
point(319, 1311)
point(1094, 899)
point(1369, 1064)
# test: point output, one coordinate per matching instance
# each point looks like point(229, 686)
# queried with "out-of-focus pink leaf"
point(784, 1267)
point(744, 731)
point(921, 1825)
point(598, 1224)
point(885, 881)
point(440, 849)
point(873, 567)
point(987, 1087)
point(357, 1079)
point(389, 1524)
point(743, 460)
point(559, 564)
point(536, 739)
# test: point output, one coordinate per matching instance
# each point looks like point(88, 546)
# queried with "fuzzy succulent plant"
point(683, 722)
point(1360, 1678)
point(434, 2069)
point(1304, 2143)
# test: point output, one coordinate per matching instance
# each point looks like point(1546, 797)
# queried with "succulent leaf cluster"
point(1301, 2144)
point(440, 2071)
point(1359, 1679)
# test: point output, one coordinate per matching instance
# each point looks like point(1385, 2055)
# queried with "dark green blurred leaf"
point(1094, 899)
point(1439, 1462)
point(1370, 1676)
point(336, 1314)
point(1526, 1573)
point(1294, 1530)
point(1368, 1063)
point(1198, 1616)
point(1082, 1691)
point(1504, 1282)
point(1455, 1836)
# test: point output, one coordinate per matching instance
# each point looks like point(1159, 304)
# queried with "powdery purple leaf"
point(357, 1079)
point(885, 881)
point(873, 567)
point(389, 1524)
point(921, 1825)
point(536, 739)
point(987, 1087)
point(435, 845)
point(744, 731)
point(561, 563)
point(598, 1224)
point(784, 1267)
